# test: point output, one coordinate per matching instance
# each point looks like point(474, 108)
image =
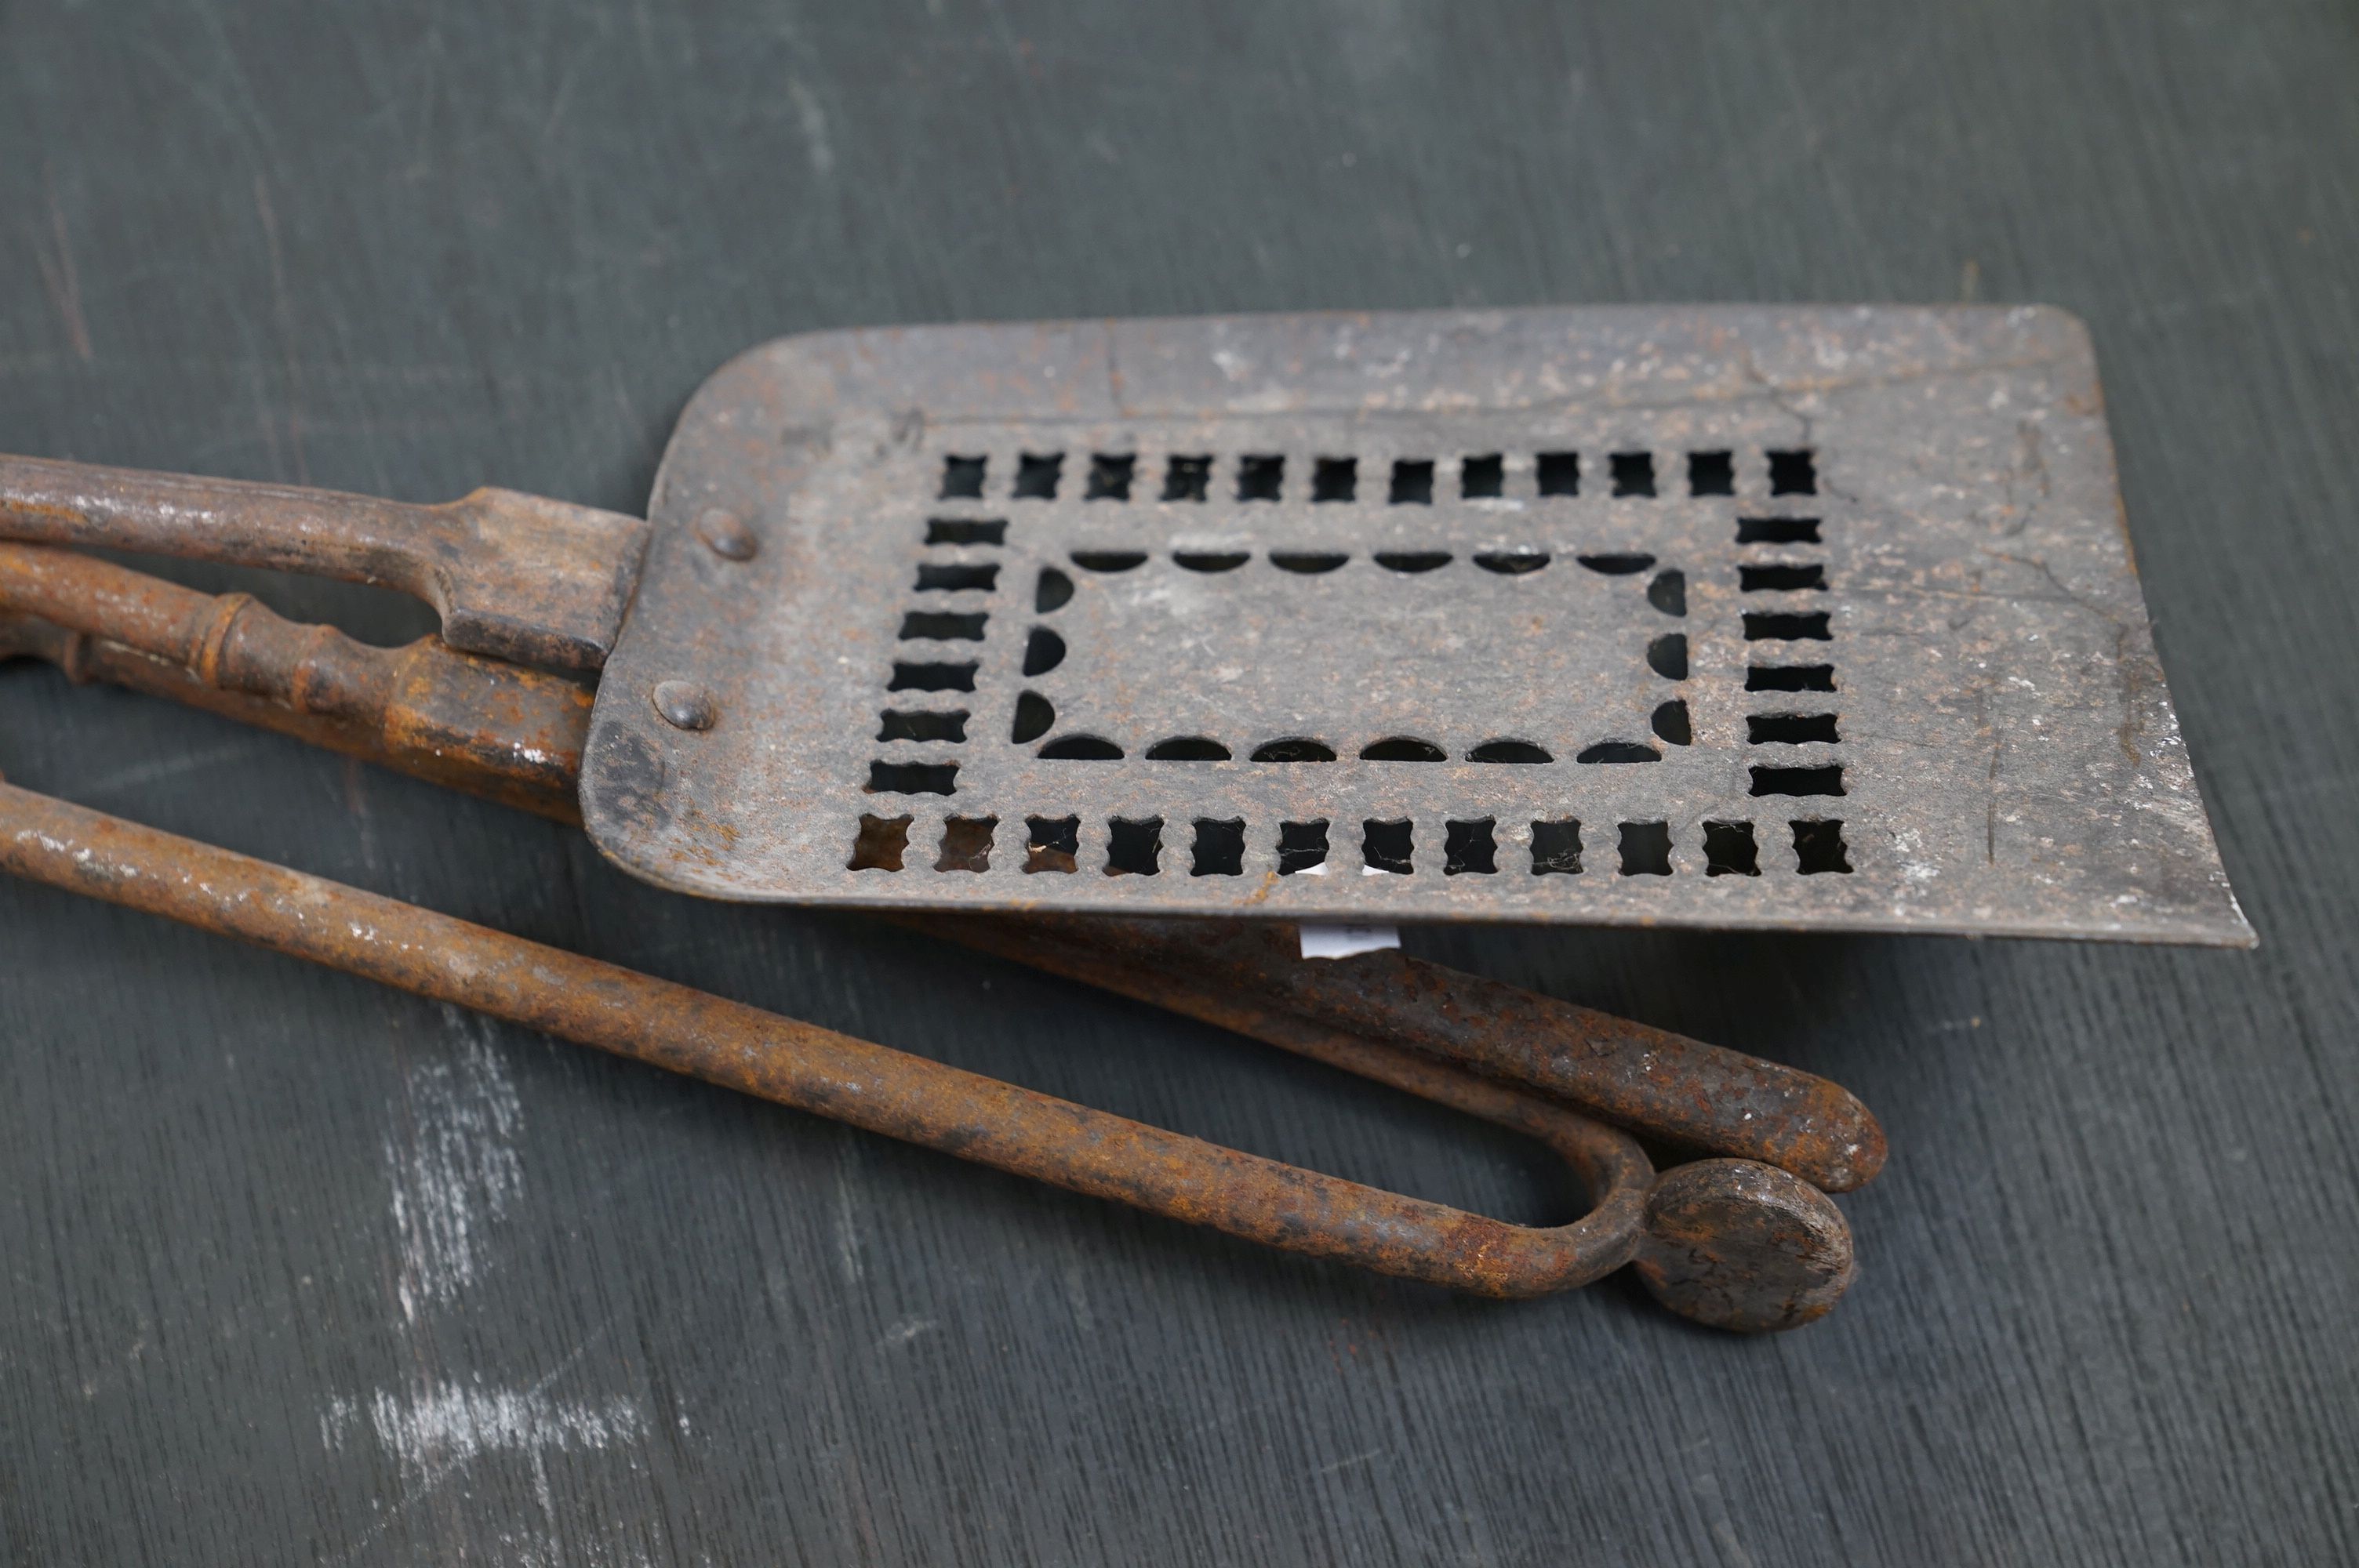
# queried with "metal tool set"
point(1123, 649)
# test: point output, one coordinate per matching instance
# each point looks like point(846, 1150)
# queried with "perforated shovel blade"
point(1710, 617)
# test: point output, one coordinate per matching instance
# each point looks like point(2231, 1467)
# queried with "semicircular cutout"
point(1187, 749)
point(1043, 652)
point(1412, 560)
point(1034, 715)
point(1620, 752)
point(1108, 560)
point(1082, 749)
point(1616, 565)
point(1509, 751)
point(1512, 563)
point(1306, 562)
point(1402, 748)
point(1666, 655)
point(1055, 588)
point(1295, 749)
point(1211, 560)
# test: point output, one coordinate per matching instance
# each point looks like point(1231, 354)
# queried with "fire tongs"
point(1747, 1242)
point(1118, 648)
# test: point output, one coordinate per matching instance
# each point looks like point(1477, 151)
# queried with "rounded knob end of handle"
point(1739, 1245)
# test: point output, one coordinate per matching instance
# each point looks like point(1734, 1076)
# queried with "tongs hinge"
point(513, 576)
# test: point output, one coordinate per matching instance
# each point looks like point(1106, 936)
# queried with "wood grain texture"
point(294, 1269)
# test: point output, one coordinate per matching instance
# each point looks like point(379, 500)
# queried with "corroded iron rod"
point(868, 1086)
point(1234, 973)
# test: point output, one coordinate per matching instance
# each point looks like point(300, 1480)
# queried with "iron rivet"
point(725, 533)
point(685, 705)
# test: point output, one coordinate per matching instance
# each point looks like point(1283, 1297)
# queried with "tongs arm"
point(513, 576)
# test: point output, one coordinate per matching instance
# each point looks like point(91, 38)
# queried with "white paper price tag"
point(1342, 941)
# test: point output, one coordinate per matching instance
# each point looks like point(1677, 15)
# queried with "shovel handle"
point(513, 576)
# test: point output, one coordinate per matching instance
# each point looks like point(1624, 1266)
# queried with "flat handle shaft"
point(513, 577)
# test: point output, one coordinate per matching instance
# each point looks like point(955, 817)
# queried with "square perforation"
point(1290, 603)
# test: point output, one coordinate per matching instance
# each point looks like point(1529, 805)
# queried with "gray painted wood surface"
point(293, 1268)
